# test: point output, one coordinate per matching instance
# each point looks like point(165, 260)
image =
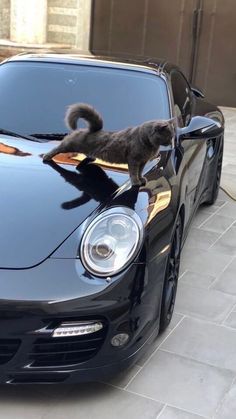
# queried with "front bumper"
point(30, 354)
point(15, 373)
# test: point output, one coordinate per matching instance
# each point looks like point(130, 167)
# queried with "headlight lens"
point(111, 241)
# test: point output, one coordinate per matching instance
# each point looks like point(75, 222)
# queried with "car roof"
point(128, 62)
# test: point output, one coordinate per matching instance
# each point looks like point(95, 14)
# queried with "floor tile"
point(229, 158)
point(153, 346)
point(29, 402)
point(173, 413)
point(182, 269)
point(201, 216)
point(231, 320)
point(229, 113)
point(228, 408)
point(123, 378)
point(204, 342)
point(217, 223)
point(197, 280)
point(228, 210)
point(183, 383)
point(227, 280)
point(230, 168)
point(203, 303)
point(94, 400)
point(227, 243)
point(223, 196)
point(201, 261)
point(209, 208)
point(223, 248)
point(201, 239)
point(219, 202)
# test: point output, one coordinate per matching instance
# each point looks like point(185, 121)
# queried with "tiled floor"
point(190, 371)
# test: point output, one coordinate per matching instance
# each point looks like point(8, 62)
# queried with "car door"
point(194, 150)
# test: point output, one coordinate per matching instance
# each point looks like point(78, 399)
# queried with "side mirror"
point(201, 127)
point(197, 92)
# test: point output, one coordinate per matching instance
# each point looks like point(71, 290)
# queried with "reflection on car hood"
point(41, 204)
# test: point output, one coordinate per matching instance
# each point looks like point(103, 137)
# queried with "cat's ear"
point(170, 121)
point(163, 125)
point(166, 123)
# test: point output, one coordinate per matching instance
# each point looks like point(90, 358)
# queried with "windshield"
point(34, 96)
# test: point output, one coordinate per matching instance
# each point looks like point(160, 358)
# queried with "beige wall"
point(46, 21)
point(4, 19)
point(69, 22)
point(28, 21)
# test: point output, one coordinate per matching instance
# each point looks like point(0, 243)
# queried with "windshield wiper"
point(50, 136)
point(16, 134)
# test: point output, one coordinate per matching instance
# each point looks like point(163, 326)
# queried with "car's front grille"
point(63, 351)
point(8, 348)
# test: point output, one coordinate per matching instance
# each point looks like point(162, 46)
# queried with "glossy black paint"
point(45, 210)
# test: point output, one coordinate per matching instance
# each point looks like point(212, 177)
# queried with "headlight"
point(111, 241)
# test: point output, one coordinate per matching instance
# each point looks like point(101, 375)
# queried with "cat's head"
point(162, 132)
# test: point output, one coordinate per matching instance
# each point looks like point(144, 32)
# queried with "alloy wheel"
point(171, 278)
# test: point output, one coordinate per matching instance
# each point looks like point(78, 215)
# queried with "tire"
point(171, 277)
point(216, 186)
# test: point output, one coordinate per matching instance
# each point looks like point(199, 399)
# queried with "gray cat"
point(133, 146)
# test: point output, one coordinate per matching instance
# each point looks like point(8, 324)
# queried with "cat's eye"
point(111, 241)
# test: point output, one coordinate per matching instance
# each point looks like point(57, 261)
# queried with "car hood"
point(42, 204)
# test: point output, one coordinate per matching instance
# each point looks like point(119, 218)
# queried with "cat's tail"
point(84, 111)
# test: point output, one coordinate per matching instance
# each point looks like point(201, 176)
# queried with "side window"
point(182, 98)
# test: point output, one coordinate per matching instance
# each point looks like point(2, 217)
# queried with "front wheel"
point(171, 277)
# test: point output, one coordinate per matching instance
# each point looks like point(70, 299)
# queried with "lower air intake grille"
point(44, 378)
point(8, 348)
point(51, 352)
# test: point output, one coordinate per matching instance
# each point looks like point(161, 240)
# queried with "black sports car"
point(88, 264)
